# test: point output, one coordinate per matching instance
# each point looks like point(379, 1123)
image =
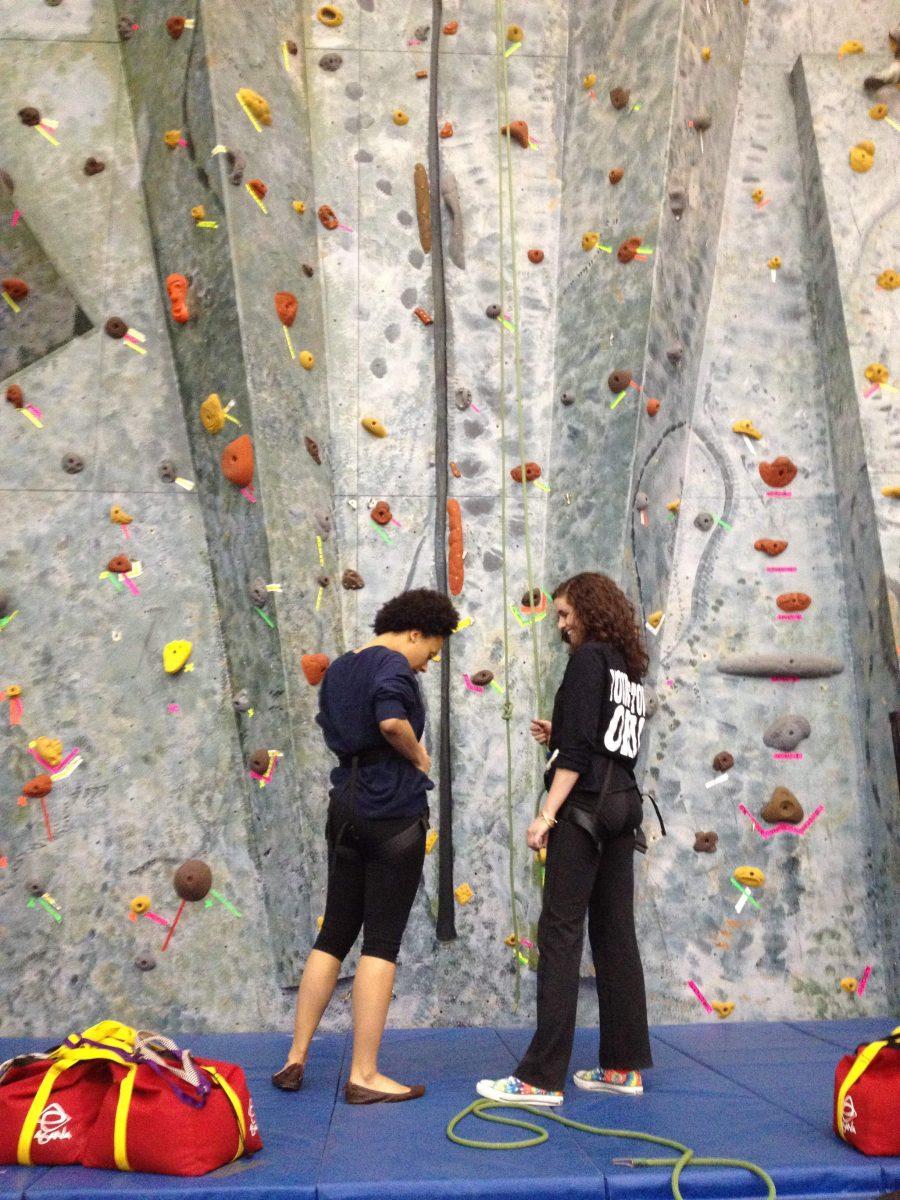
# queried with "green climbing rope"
point(685, 1157)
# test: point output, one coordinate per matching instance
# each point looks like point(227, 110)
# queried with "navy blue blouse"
point(359, 690)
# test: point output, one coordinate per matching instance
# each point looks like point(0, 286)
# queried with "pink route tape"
point(48, 766)
point(782, 826)
point(473, 687)
point(706, 1004)
point(248, 494)
point(865, 979)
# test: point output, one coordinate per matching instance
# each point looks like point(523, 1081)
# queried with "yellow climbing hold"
point(878, 112)
point(889, 280)
point(655, 618)
point(256, 104)
point(673, 505)
point(430, 840)
point(589, 241)
point(298, 206)
point(892, 491)
point(877, 373)
point(175, 655)
point(172, 137)
point(50, 750)
point(724, 1008)
point(757, 196)
point(328, 14)
point(306, 360)
point(400, 117)
point(510, 941)
point(212, 414)
point(515, 33)
point(774, 263)
point(374, 426)
point(198, 212)
point(140, 905)
point(750, 876)
point(849, 984)
point(747, 428)
point(588, 82)
point(851, 47)
point(464, 893)
point(119, 516)
point(862, 157)
point(706, 54)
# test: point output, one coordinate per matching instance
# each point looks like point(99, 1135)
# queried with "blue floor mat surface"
point(757, 1091)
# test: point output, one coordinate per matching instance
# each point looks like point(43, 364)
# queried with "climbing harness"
point(684, 1159)
point(344, 840)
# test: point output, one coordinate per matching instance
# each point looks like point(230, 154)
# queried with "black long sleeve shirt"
point(598, 713)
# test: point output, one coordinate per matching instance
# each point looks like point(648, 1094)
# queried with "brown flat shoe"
point(354, 1093)
point(289, 1078)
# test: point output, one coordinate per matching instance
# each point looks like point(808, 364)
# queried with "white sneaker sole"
point(620, 1089)
point(484, 1088)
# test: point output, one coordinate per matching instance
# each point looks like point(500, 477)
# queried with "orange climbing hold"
point(286, 307)
point(653, 406)
point(455, 568)
point(327, 216)
point(40, 785)
point(177, 287)
point(451, 27)
point(423, 316)
point(16, 289)
point(381, 513)
point(446, 130)
point(778, 473)
point(793, 601)
point(120, 565)
point(237, 461)
point(518, 131)
point(314, 667)
point(771, 546)
point(258, 188)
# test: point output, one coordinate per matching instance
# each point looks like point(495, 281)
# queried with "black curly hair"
point(430, 612)
point(607, 616)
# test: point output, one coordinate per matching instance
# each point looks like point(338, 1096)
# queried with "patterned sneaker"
point(512, 1091)
point(626, 1083)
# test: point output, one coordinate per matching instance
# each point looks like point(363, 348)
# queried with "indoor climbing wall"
point(292, 326)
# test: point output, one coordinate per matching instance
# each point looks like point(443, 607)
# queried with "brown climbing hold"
point(292, 47)
point(16, 289)
point(308, 270)
point(532, 472)
point(619, 97)
point(723, 761)
point(313, 447)
point(628, 250)
point(327, 217)
point(535, 256)
point(423, 206)
point(705, 843)
point(778, 473)
point(783, 805)
point(381, 513)
point(314, 667)
point(93, 166)
point(793, 601)
point(286, 307)
point(352, 580)
point(533, 602)
point(15, 396)
point(455, 566)
point(29, 116)
point(237, 461)
point(771, 546)
point(423, 316)
point(446, 130)
point(618, 381)
point(482, 678)
point(616, 175)
point(451, 27)
point(193, 879)
point(120, 565)
point(176, 287)
point(421, 74)
point(258, 762)
point(258, 188)
point(115, 327)
point(653, 406)
point(518, 130)
point(40, 785)
point(175, 27)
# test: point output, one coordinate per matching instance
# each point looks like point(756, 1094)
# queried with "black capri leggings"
point(373, 877)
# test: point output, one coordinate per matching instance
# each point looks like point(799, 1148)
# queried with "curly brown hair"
point(607, 616)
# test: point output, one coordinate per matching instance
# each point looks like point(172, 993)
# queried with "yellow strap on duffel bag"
point(29, 1125)
point(863, 1060)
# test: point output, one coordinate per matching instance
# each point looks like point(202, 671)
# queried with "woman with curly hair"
point(589, 824)
point(372, 716)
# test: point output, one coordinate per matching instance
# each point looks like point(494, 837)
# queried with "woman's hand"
point(424, 763)
point(540, 731)
point(536, 837)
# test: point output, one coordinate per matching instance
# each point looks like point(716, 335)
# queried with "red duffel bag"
point(47, 1108)
point(867, 1097)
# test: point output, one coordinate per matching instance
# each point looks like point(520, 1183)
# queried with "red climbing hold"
point(237, 461)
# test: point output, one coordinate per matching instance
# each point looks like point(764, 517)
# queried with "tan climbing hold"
point(256, 104)
point(175, 655)
point(329, 14)
point(212, 414)
point(655, 618)
point(782, 805)
point(119, 516)
point(747, 428)
point(374, 426)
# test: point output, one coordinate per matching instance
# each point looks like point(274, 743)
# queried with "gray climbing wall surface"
point(723, 100)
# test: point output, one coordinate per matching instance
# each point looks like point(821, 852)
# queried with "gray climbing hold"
point(236, 165)
point(787, 732)
point(331, 61)
point(677, 201)
point(259, 593)
point(72, 463)
point(450, 195)
point(145, 962)
point(641, 501)
point(675, 353)
point(463, 398)
point(323, 523)
point(704, 521)
point(167, 471)
point(6, 180)
point(323, 581)
point(776, 662)
point(651, 702)
point(567, 398)
point(125, 28)
point(421, 32)
point(492, 311)
point(240, 701)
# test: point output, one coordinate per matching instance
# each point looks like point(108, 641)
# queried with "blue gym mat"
point(739, 1090)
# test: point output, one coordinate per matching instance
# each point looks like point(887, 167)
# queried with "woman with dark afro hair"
point(373, 718)
point(590, 825)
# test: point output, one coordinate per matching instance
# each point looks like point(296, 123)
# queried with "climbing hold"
point(673, 506)
point(29, 115)
point(115, 327)
point(532, 472)
point(451, 27)
point(723, 761)
point(655, 618)
point(314, 667)
point(518, 131)
point(352, 581)
point(771, 546)
point(240, 701)
point(653, 406)
point(892, 490)
point(400, 117)
point(298, 206)
point(724, 1008)
point(889, 280)
point(258, 762)
point(455, 566)
point(775, 662)
point(374, 426)
point(675, 353)
point(175, 27)
point(145, 962)
point(567, 398)
point(176, 287)
point(446, 130)
point(72, 463)
point(878, 112)
point(482, 678)
point(628, 249)
point(705, 843)
point(532, 601)
point(747, 428)
point(492, 312)
point(535, 256)
point(421, 32)
point(323, 580)
point(193, 879)
point(706, 53)
point(787, 732)
point(381, 513)
point(198, 213)
point(312, 447)
point(167, 471)
point(292, 47)
point(237, 461)
point(463, 893)
point(588, 82)
point(849, 984)
point(93, 166)
point(877, 373)
point(49, 749)
point(677, 201)
point(16, 289)
point(618, 381)
point(851, 47)
point(619, 97)
point(308, 270)
point(125, 28)
point(40, 785)
point(793, 601)
point(139, 905)
point(651, 701)
point(589, 241)
point(331, 61)
point(750, 876)
point(702, 122)
point(172, 137)
point(423, 74)
point(258, 592)
point(704, 521)
point(757, 195)
point(861, 159)
point(119, 516)
point(329, 14)
point(258, 188)
point(463, 398)
point(616, 175)
point(641, 501)
point(120, 565)
point(236, 163)
point(175, 655)
point(306, 360)
point(515, 33)
point(423, 205)
point(774, 264)
point(778, 473)
point(423, 316)
point(782, 805)
point(212, 414)
point(327, 217)
point(15, 396)
point(286, 307)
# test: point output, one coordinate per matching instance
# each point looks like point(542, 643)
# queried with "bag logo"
point(251, 1112)
point(849, 1115)
point(53, 1125)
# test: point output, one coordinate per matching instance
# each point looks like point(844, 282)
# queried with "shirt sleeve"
point(581, 693)
point(394, 696)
